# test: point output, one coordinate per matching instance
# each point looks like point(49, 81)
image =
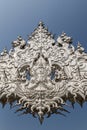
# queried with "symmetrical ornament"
point(42, 74)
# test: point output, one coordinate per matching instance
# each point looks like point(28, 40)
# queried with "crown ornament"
point(43, 73)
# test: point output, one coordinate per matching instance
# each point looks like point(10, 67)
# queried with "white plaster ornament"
point(42, 74)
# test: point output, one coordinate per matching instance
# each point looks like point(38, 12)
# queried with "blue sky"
point(20, 17)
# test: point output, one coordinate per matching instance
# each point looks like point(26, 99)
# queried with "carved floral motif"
point(42, 74)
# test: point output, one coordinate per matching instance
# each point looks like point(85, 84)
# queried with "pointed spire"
point(40, 36)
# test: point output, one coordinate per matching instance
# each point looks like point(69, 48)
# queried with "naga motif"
point(43, 73)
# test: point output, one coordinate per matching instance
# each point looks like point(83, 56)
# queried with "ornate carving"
point(42, 74)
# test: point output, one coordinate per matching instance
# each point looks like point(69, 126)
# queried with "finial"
point(5, 52)
point(79, 45)
point(63, 34)
point(19, 42)
point(80, 48)
point(19, 38)
point(41, 24)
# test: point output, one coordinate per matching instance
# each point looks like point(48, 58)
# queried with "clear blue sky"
point(20, 17)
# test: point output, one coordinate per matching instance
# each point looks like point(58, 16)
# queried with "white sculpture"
point(42, 74)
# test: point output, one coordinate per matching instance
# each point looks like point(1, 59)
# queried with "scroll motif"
point(42, 73)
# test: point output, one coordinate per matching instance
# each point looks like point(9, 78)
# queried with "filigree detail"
point(42, 74)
